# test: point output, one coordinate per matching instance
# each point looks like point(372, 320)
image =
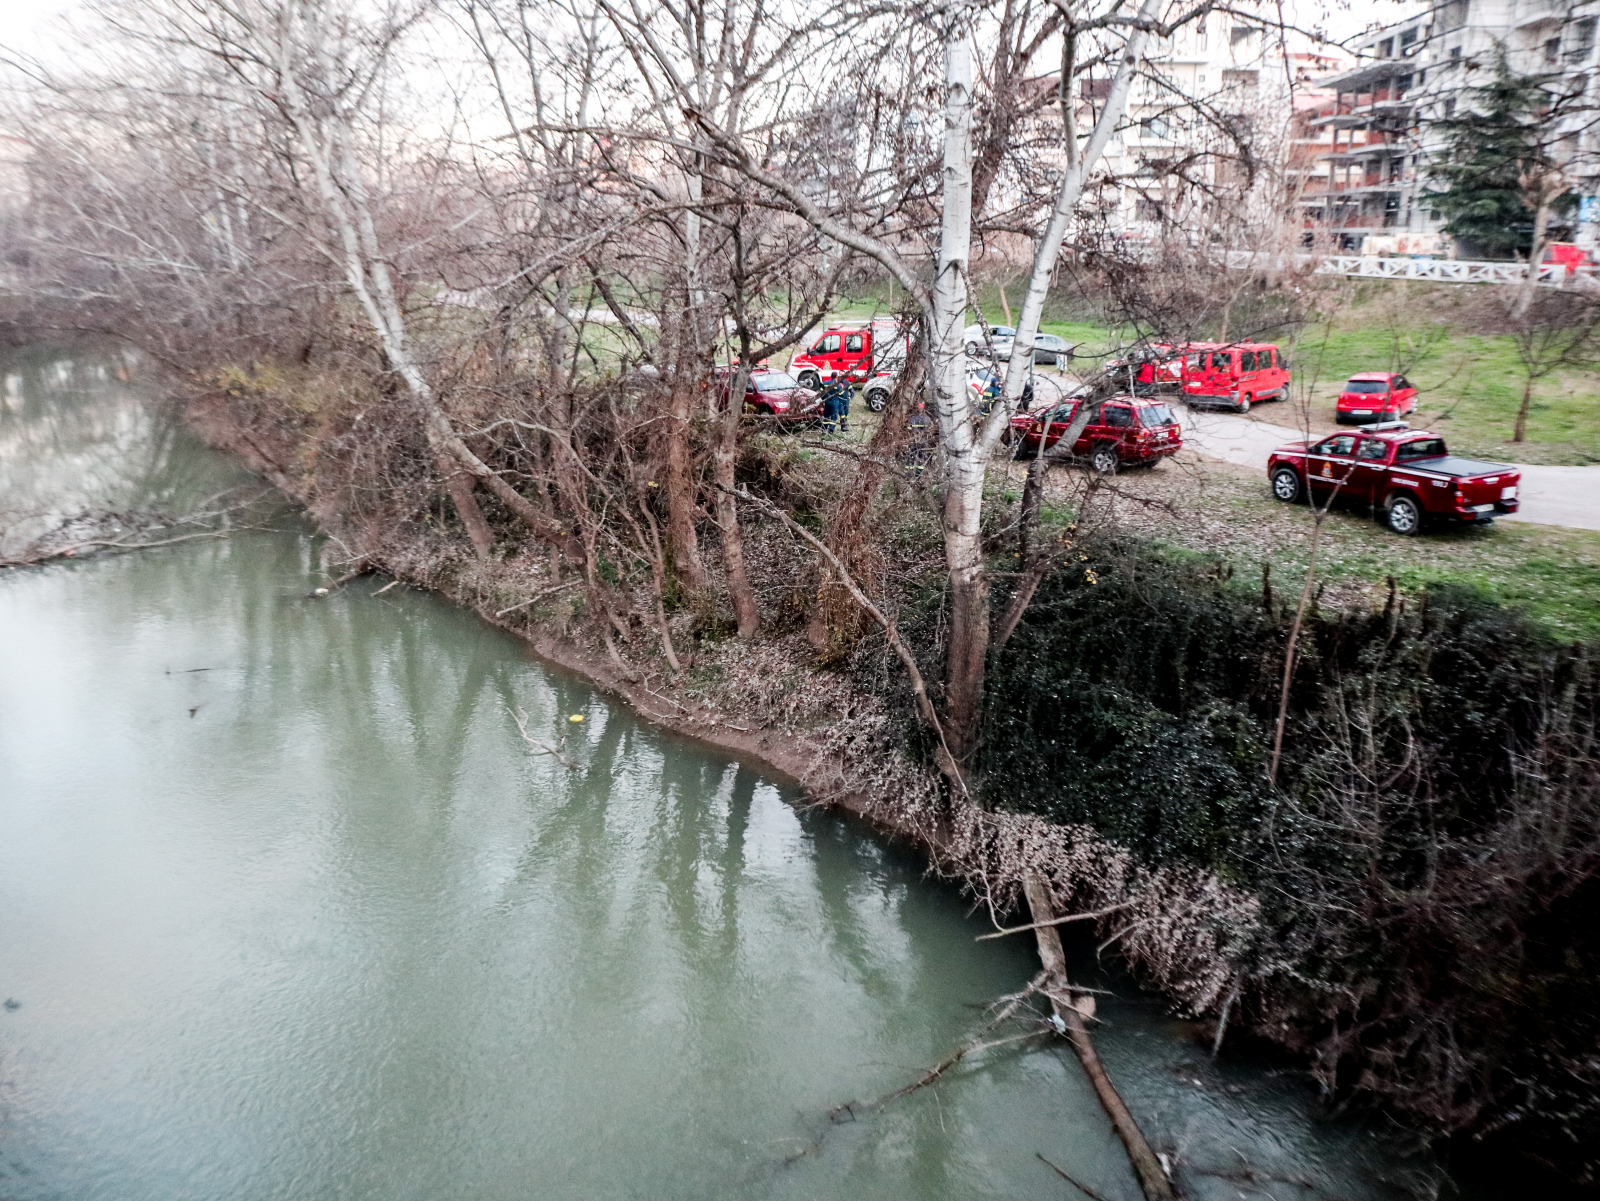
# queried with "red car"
point(1376, 396)
point(1408, 475)
point(1127, 429)
point(775, 395)
point(1234, 376)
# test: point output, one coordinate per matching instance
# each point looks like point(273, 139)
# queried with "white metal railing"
point(1450, 271)
point(1458, 271)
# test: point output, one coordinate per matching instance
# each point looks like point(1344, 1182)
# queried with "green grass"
point(1552, 574)
point(1094, 342)
point(1470, 383)
point(1471, 387)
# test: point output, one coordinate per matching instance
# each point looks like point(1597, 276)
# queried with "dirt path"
point(1566, 496)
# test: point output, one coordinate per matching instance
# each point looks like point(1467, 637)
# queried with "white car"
point(989, 339)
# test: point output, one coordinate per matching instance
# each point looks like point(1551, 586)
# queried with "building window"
point(1240, 79)
point(1408, 39)
point(1095, 89)
point(1386, 48)
point(1552, 50)
point(1239, 34)
point(1201, 30)
point(1455, 54)
point(1453, 15)
point(1450, 108)
point(1583, 33)
point(1145, 209)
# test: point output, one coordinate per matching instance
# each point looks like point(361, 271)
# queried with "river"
point(291, 910)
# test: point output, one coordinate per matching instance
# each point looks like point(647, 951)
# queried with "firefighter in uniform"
point(836, 405)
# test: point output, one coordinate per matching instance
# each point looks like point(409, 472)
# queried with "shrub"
point(1427, 860)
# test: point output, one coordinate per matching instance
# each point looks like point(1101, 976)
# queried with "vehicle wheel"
point(1286, 484)
point(972, 349)
point(1405, 516)
point(876, 399)
point(1244, 404)
point(1103, 458)
point(812, 380)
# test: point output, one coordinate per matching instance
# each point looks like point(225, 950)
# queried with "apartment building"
point(1222, 80)
point(1413, 72)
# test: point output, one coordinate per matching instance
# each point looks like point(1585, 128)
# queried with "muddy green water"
point(289, 910)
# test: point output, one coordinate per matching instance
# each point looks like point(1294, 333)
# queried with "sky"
point(26, 24)
point(23, 22)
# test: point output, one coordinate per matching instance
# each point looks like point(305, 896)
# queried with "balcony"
point(1363, 78)
point(1361, 154)
point(1530, 14)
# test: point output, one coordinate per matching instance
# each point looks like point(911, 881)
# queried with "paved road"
point(1568, 496)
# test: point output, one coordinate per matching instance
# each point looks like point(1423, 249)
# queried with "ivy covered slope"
point(1427, 858)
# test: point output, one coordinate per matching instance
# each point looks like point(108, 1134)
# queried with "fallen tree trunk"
point(1152, 1176)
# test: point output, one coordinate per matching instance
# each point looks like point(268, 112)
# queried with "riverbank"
point(1299, 940)
point(1181, 928)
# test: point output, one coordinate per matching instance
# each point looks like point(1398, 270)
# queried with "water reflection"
point(80, 435)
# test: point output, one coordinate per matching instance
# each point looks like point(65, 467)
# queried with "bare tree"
point(967, 437)
point(1557, 331)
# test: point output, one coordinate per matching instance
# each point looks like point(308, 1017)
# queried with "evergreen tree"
point(1500, 160)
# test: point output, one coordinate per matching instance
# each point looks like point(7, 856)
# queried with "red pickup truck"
point(1127, 429)
point(1408, 475)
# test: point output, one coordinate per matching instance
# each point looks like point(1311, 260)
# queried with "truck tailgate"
point(1478, 482)
point(1487, 489)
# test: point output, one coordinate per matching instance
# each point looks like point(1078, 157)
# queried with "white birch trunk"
point(965, 468)
point(1079, 166)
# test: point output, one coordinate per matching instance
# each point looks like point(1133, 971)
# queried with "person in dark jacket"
point(836, 395)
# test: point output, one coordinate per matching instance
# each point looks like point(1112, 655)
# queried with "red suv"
point(1376, 396)
point(1127, 429)
point(1155, 367)
point(1234, 376)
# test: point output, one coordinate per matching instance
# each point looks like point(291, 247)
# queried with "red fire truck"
point(857, 350)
